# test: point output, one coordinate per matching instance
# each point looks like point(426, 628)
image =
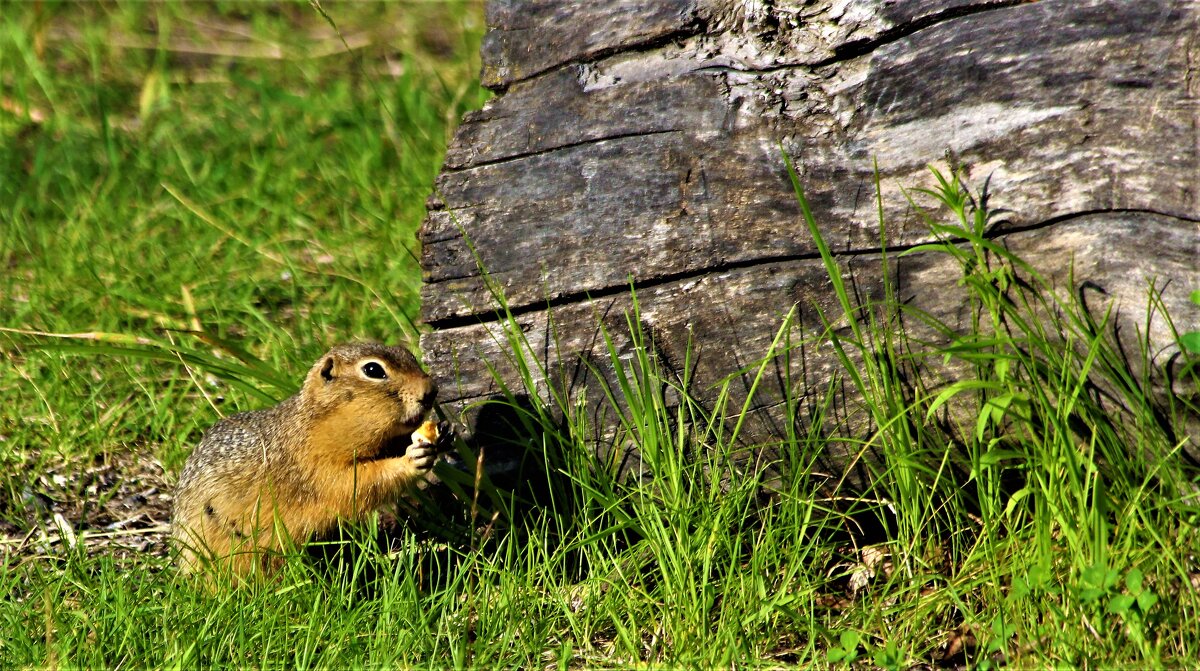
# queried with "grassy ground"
point(228, 170)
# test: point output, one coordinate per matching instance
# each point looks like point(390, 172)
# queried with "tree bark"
point(643, 140)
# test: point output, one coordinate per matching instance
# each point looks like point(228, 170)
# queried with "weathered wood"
point(528, 38)
point(729, 319)
point(643, 140)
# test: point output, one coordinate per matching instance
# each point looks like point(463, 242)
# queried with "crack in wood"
point(868, 45)
point(998, 231)
point(862, 47)
point(547, 150)
point(1087, 213)
point(696, 27)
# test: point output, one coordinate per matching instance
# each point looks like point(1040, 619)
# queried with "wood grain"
point(642, 142)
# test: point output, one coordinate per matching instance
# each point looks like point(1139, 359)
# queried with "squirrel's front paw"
point(428, 441)
point(422, 454)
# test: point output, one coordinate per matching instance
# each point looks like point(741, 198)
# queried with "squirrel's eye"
point(374, 370)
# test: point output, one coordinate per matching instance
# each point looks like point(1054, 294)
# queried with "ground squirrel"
point(335, 451)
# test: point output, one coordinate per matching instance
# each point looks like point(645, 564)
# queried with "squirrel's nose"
point(430, 394)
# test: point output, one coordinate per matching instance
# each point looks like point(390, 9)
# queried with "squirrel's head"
point(371, 387)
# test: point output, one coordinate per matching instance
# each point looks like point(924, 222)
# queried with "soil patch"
point(117, 504)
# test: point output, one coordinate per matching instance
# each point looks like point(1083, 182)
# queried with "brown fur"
point(259, 481)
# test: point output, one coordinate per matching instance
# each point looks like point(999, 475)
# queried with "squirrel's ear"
point(327, 369)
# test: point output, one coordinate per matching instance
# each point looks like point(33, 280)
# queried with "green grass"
point(271, 202)
point(215, 221)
